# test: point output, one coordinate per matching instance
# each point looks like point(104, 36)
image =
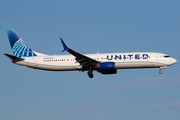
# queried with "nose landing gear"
point(160, 72)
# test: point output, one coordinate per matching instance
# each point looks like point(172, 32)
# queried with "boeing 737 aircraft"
point(106, 63)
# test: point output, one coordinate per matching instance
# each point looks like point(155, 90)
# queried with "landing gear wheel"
point(90, 74)
point(160, 72)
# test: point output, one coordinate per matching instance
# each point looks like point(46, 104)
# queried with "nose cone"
point(173, 61)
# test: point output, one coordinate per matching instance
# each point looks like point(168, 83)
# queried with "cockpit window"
point(166, 56)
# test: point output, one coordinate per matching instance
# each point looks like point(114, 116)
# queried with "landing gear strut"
point(163, 67)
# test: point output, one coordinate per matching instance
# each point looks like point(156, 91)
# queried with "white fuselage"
point(121, 60)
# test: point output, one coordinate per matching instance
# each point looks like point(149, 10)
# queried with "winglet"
point(64, 45)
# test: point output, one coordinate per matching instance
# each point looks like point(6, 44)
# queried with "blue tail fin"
point(19, 48)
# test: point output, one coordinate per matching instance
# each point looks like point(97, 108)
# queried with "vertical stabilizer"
point(19, 48)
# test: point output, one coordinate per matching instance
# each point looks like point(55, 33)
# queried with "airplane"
point(105, 63)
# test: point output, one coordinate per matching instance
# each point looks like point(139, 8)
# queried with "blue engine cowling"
point(107, 68)
point(107, 65)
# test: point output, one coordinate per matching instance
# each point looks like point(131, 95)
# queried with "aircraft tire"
point(90, 74)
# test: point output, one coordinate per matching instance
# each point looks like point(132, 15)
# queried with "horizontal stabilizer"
point(13, 57)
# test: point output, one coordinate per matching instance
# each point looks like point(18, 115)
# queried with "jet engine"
point(107, 68)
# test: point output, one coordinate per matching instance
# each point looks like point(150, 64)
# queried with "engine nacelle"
point(113, 71)
point(107, 68)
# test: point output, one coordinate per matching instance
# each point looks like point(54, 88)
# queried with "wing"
point(85, 62)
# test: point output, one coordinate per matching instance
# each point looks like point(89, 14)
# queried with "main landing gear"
point(90, 73)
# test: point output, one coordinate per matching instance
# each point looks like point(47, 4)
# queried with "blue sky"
point(88, 27)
